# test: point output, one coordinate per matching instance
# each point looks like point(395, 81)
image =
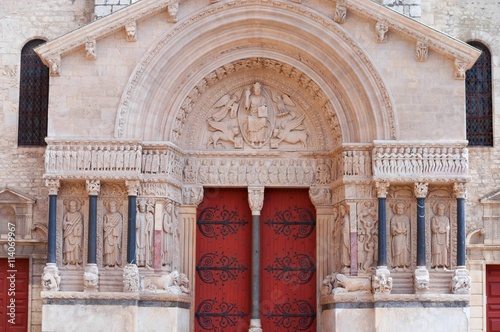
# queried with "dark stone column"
point(92, 236)
point(460, 193)
point(91, 275)
point(382, 188)
point(130, 270)
point(421, 232)
point(256, 201)
point(50, 278)
point(51, 245)
point(421, 278)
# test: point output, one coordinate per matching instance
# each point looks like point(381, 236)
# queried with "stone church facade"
point(250, 166)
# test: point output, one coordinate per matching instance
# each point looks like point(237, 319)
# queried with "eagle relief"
point(255, 116)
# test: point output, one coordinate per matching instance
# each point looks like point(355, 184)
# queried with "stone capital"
point(421, 189)
point(93, 187)
point(460, 189)
point(53, 185)
point(255, 199)
point(382, 188)
point(192, 195)
point(320, 196)
point(133, 187)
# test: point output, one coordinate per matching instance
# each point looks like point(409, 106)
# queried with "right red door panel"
point(288, 261)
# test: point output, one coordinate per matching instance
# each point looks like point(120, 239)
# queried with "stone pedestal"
point(255, 325)
point(381, 281)
point(50, 278)
point(421, 280)
point(461, 281)
point(91, 278)
point(131, 280)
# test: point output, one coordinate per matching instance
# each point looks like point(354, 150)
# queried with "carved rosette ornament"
point(460, 190)
point(381, 28)
point(133, 187)
point(50, 278)
point(131, 278)
point(192, 195)
point(53, 185)
point(93, 187)
point(255, 198)
point(421, 189)
point(382, 188)
point(320, 196)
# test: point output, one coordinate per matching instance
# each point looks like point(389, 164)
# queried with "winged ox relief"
point(255, 116)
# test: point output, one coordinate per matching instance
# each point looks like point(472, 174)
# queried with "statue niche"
point(255, 116)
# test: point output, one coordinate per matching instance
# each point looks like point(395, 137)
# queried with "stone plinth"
point(77, 311)
point(395, 312)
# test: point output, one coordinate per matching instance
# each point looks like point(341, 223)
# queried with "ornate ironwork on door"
point(288, 251)
point(223, 259)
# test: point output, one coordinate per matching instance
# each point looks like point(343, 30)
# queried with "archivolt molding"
point(364, 70)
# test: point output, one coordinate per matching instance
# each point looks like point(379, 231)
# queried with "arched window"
point(479, 99)
point(33, 97)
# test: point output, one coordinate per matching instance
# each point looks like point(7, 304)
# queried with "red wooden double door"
point(287, 261)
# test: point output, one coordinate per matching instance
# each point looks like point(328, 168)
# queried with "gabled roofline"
point(26, 198)
point(410, 28)
point(463, 54)
point(100, 28)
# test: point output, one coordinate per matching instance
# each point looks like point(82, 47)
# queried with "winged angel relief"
point(257, 117)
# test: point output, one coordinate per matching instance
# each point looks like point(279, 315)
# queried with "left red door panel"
point(223, 261)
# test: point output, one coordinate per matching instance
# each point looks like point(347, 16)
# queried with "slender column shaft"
point(131, 240)
point(460, 231)
point(255, 267)
point(421, 232)
point(51, 255)
point(92, 238)
point(382, 232)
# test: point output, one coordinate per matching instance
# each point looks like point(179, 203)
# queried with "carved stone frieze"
point(420, 161)
point(367, 235)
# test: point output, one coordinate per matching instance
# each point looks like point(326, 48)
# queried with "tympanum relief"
point(255, 116)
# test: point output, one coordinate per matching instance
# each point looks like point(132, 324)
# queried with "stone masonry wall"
point(106, 7)
point(479, 21)
point(22, 168)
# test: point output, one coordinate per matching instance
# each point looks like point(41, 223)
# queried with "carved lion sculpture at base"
point(173, 283)
point(351, 284)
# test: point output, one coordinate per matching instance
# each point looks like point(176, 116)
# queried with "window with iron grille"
point(33, 97)
point(479, 99)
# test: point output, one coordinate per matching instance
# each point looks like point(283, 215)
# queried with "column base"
point(421, 280)
point(255, 325)
point(91, 278)
point(50, 278)
point(381, 281)
point(131, 279)
point(461, 281)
